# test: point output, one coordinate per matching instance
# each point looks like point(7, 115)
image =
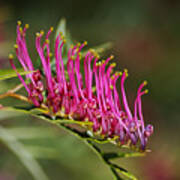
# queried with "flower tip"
point(116, 73)
point(80, 55)
point(37, 34)
point(126, 72)
point(51, 29)
point(112, 56)
point(64, 41)
point(146, 91)
point(85, 43)
point(26, 26)
point(111, 87)
point(78, 44)
point(19, 23)
point(77, 49)
point(86, 119)
point(21, 30)
point(145, 82)
point(62, 109)
point(97, 56)
point(120, 73)
point(98, 64)
point(11, 56)
point(94, 53)
point(15, 46)
point(103, 61)
point(50, 54)
point(113, 76)
point(42, 32)
point(113, 65)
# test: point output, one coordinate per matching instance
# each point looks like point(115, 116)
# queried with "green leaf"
point(36, 134)
point(23, 155)
point(105, 157)
point(10, 73)
point(100, 48)
point(61, 27)
point(69, 40)
point(69, 121)
point(42, 152)
point(32, 138)
point(38, 112)
point(22, 133)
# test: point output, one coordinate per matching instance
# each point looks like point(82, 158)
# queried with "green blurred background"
point(146, 40)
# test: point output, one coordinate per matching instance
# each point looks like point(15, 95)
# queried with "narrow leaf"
point(10, 73)
point(69, 121)
point(24, 156)
point(38, 112)
point(69, 40)
point(105, 157)
point(43, 152)
point(100, 48)
point(30, 132)
point(61, 27)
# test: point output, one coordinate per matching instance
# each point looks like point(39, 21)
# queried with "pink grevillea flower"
point(68, 94)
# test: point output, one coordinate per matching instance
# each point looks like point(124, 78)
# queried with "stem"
point(17, 96)
point(17, 88)
point(12, 93)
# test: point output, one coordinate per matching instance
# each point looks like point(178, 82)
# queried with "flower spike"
point(91, 95)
